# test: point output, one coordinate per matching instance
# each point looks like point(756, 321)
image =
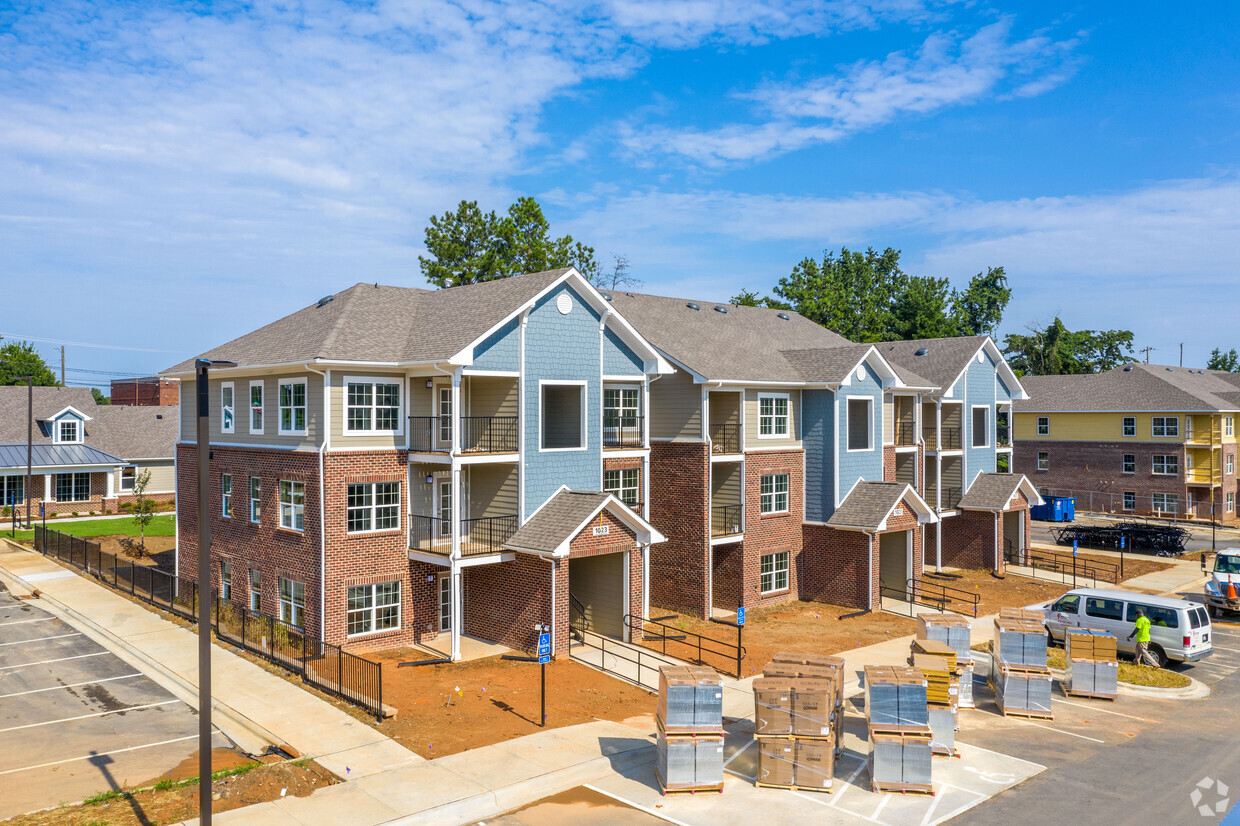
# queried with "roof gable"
point(559, 520)
point(995, 491)
point(869, 505)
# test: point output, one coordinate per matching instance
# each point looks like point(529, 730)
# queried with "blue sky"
point(175, 175)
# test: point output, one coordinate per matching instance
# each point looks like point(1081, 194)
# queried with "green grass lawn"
point(161, 525)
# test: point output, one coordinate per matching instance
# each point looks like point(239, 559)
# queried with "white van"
point(1179, 630)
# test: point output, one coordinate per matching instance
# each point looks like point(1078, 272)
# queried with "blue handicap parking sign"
point(740, 615)
point(1074, 547)
point(544, 659)
point(544, 646)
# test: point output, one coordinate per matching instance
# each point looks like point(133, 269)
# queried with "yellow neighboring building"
point(1141, 439)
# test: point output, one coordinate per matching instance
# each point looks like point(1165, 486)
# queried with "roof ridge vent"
point(693, 305)
point(719, 308)
point(324, 301)
point(784, 316)
point(921, 351)
point(1128, 368)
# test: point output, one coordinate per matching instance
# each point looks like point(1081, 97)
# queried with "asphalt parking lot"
point(75, 719)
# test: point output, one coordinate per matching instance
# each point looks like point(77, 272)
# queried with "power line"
point(128, 375)
point(85, 344)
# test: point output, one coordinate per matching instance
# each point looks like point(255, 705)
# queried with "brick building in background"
point(151, 391)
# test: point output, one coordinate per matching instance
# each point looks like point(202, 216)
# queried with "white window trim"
point(1229, 463)
point(787, 492)
point(72, 486)
point(1164, 509)
point(251, 592)
point(1230, 502)
point(281, 506)
point(1229, 426)
point(972, 430)
point(1123, 461)
point(294, 607)
point(637, 486)
point(374, 607)
point(77, 430)
point(1124, 500)
point(372, 381)
point(585, 419)
point(1123, 427)
point(226, 495)
point(133, 478)
point(787, 571)
point(1043, 454)
point(1165, 434)
point(1038, 423)
point(787, 434)
point(224, 409)
point(249, 407)
point(870, 440)
point(279, 410)
point(226, 587)
point(1164, 457)
point(250, 498)
point(373, 508)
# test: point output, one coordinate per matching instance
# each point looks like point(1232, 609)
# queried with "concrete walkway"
point(253, 707)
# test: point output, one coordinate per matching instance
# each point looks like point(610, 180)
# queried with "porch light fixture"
point(430, 480)
point(429, 384)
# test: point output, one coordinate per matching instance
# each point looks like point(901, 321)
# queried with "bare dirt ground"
point(445, 709)
point(177, 801)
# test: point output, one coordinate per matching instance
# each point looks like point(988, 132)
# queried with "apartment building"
point(1141, 439)
point(395, 465)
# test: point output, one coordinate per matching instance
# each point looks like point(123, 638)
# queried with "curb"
point(243, 731)
point(1195, 690)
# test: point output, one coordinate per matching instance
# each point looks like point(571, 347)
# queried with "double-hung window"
point(1229, 426)
point(372, 406)
point(860, 423)
point(625, 484)
point(773, 416)
point(373, 506)
point(1229, 464)
point(774, 493)
point(226, 490)
point(774, 572)
point(373, 608)
point(1165, 426)
point(1130, 425)
point(1130, 463)
point(1130, 500)
point(128, 476)
point(72, 487)
point(292, 601)
point(1044, 460)
point(256, 406)
point(292, 505)
point(1168, 465)
point(256, 500)
point(256, 590)
point(1044, 425)
point(1230, 506)
point(227, 408)
point(67, 431)
point(292, 406)
point(1166, 502)
point(13, 489)
point(225, 580)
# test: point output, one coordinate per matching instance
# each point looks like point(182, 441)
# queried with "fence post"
point(340, 670)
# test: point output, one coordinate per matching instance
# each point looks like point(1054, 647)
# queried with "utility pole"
point(1146, 350)
point(1181, 354)
point(29, 441)
point(62, 365)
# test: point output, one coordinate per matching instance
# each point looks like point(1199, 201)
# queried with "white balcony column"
point(456, 511)
point(457, 609)
point(47, 487)
point(111, 483)
point(645, 411)
point(938, 484)
point(456, 411)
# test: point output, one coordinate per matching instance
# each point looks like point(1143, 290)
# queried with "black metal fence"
point(725, 438)
point(323, 665)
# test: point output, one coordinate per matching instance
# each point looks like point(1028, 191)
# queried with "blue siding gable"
point(564, 347)
point(818, 438)
point(500, 349)
point(980, 389)
point(863, 464)
point(618, 358)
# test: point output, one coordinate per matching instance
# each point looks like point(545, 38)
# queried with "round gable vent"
point(861, 373)
point(564, 304)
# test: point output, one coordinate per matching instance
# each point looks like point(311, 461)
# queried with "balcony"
point(479, 434)
point(1204, 437)
point(906, 434)
point(726, 520)
point(725, 438)
point(950, 434)
point(623, 431)
point(478, 536)
point(1003, 438)
point(1203, 476)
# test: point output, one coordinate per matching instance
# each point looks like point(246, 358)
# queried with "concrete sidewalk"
point(253, 707)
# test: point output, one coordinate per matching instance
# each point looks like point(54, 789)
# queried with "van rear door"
point(1201, 632)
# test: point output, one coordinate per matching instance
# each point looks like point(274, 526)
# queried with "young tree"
point(19, 359)
point(143, 508)
point(1228, 362)
point(99, 397)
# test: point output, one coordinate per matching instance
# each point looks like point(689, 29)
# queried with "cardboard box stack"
point(954, 630)
point(1018, 674)
point(798, 712)
point(899, 729)
point(1093, 666)
point(689, 719)
point(937, 661)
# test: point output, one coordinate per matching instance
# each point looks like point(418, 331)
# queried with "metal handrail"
point(949, 433)
point(576, 608)
point(625, 652)
point(484, 535)
point(725, 438)
point(726, 520)
point(906, 433)
point(693, 642)
point(489, 434)
point(933, 595)
point(623, 431)
point(1062, 564)
point(424, 434)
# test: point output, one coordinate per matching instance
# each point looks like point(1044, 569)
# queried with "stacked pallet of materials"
point(899, 729)
point(1093, 665)
point(1019, 675)
point(798, 707)
point(937, 662)
point(689, 719)
point(954, 630)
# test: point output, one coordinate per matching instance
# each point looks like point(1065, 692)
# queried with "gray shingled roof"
point(557, 521)
point(990, 491)
point(118, 430)
point(867, 505)
point(943, 361)
point(1133, 387)
point(833, 364)
point(43, 455)
point(369, 322)
point(744, 344)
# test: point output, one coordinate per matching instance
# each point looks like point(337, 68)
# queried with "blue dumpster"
point(1055, 509)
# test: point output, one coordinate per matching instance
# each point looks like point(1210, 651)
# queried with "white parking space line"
point(23, 622)
point(87, 716)
point(59, 660)
point(1221, 648)
point(1103, 710)
point(934, 803)
point(1216, 665)
point(1061, 731)
point(99, 754)
point(728, 762)
point(71, 685)
point(835, 798)
point(43, 639)
point(633, 805)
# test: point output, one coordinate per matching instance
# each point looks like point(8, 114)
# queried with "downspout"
point(327, 436)
point(870, 565)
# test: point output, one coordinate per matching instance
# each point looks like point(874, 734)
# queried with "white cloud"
point(946, 71)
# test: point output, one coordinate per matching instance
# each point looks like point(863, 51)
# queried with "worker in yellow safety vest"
point(1142, 633)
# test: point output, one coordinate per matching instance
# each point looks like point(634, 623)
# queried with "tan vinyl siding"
point(726, 483)
point(752, 424)
point(491, 490)
point(271, 412)
point(676, 407)
point(421, 495)
point(490, 396)
point(343, 438)
point(725, 407)
point(163, 476)
point(889, 420)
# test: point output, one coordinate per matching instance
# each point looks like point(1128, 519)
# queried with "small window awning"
point(552, 527)
point(995, 491)
point(869, 505)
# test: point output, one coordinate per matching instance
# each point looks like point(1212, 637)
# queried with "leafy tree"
point(19, 359)
point(747, 298)
point(922, 309)
point(99, 397)
point(469, 246)
point(851, 295)
point(143, 508)
point(1056, 350)
point(1228, 362)
point(978, 310)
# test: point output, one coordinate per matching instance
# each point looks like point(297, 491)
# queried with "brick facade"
point(148, 392)
point(632, 463)
point(835, 566)
point(503, 602)
point(773, 532)
point(680, 510)
point(974, 540)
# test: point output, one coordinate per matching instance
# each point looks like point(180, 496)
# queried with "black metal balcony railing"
point(623, 431)
point(430, 434)
point(950, 434)
point(725, 438)
point(489, 434)
point(726, 520)
point(485, 535)
point(951, 498)
point(906, 434)
point(1002, 437)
